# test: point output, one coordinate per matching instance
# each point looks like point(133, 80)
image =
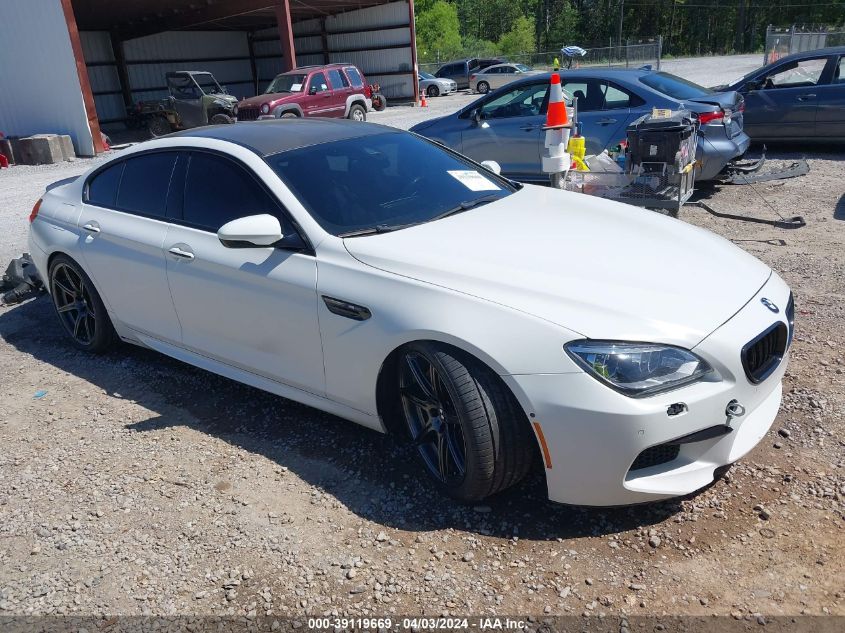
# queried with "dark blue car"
point(506, 124)
point(797, 98)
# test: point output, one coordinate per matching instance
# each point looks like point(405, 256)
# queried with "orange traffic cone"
point(556, 117)
point(423, 103)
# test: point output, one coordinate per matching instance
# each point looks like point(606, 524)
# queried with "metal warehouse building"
point(74, 66)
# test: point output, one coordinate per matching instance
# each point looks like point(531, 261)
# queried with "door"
point(341, 90)
point(508, 129)
point(604, 110)
point(124, 221)
point(186, 99)
point(319, 101)
point(785, 104)
point(504, 75)
point(254, 308)
point(830, 116)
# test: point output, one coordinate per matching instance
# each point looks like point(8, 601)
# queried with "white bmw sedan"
point(372, 274)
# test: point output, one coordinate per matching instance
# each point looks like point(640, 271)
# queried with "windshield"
point(425, 75)
point(674, 87)
point(287, 83)
point(208, 84)
point(383, 182)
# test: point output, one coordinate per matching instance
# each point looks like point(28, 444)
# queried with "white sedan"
point(369, 273)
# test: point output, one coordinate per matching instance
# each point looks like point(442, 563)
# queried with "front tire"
point(433, 91)
point(357, 113)
point(466, 425)
point(221, 119)
point(483, 87)
point(79, 307)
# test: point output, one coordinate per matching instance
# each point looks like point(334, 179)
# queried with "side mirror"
point(754, 84)
point(252, 230)
point(312, 90)
point(475, 115)
point(493, 166)
point(225, 90)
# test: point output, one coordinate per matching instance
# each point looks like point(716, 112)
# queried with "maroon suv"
point(333, 90)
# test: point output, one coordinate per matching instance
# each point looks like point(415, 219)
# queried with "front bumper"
point(594, 435)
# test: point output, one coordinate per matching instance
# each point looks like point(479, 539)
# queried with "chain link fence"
point(782, 41)
point(631, 55)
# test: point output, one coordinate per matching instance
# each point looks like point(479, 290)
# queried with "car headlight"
point(638, 369)
point(235, 109)
point(265, 108)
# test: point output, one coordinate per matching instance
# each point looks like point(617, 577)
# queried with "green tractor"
point(195, 99)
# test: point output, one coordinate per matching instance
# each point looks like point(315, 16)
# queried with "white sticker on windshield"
point(296, 87)
point(473, 181)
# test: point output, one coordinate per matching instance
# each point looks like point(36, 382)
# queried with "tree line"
point(452, 28)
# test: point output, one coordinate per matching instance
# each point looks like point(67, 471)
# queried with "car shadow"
point(839, 210)
point(375, 476)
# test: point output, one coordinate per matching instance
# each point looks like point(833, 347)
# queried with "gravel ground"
point(139, 485)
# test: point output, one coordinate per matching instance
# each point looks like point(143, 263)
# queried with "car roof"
point(280, 135)
point(501, 64)
point(819, 52)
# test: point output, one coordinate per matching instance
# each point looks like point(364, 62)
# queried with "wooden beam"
point(412, 25)
point(324, 39)
point(82, 72)
point(122, 70)
point(282, 9)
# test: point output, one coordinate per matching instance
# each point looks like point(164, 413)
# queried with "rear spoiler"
point(60, 183)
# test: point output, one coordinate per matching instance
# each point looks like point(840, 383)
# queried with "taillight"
point(742, 106)
point(471, 77)
point(34, 212)
point(709, 117)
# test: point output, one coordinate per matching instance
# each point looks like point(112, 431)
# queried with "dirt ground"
point(138, 485)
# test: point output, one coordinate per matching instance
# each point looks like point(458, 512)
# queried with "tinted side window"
point(526, 100)
point(589, 92)
point(337, 79)
point(143, 188)
point(219, 191)
point(354, 77)
point(102, 190)
point(618, 97)
point(318, 82)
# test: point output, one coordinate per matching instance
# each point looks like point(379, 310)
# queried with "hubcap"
point(74, 305)
point(432, 419)
point(358, 115)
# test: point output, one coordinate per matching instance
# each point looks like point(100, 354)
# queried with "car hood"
point(273, 98)
point(598, 268)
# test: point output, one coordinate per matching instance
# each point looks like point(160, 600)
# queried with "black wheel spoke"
point(77, 322)
point(63, 288)
point(66, 308)
point(454, 440)
point(443, 456)
point(420, 378)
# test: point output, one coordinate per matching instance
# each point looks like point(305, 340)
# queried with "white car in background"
point(372, 274)
point(435, 86)
point(492, 77)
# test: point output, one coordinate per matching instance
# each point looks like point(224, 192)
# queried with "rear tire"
point(79, 307)
point(483, 87)
point(468, 428)
point(357, 113)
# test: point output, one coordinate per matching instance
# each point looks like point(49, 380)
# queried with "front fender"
point(404, 310)
point(278, 111)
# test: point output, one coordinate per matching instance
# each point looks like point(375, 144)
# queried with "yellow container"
point(577, 146)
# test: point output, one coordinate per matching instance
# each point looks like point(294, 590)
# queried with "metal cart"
point(659, 165)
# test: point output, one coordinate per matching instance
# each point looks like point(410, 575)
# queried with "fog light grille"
point(656, 455)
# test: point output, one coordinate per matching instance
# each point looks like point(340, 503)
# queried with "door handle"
point(806, 97)
point(179, 252)
point(528, 128)
point(91, 227)
point(606, 121)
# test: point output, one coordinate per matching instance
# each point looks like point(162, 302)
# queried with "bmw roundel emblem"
point(770, 305)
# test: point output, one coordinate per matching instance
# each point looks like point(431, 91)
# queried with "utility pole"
point(621, 17)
